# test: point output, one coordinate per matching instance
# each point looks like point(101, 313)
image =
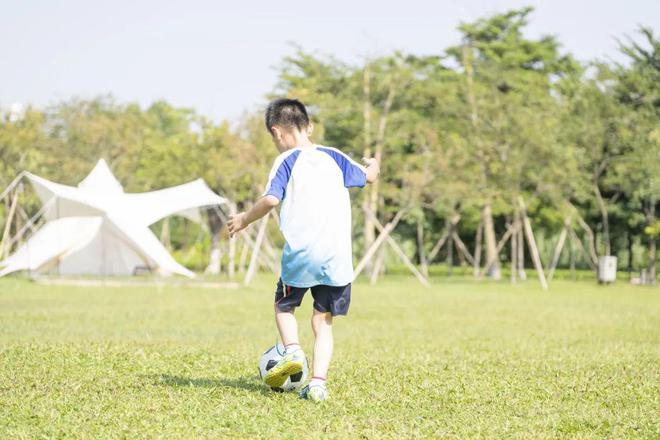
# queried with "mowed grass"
point(458, 360)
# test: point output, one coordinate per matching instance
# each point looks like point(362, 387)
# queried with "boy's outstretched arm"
point(241, 220)
point(373, 168)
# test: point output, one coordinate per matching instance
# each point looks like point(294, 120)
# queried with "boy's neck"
point(302, 141)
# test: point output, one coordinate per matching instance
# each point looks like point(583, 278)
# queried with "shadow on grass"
point(243, 383)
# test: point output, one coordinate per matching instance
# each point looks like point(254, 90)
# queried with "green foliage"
point(498, 116)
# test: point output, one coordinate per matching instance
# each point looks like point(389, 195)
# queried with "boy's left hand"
point(236, 223)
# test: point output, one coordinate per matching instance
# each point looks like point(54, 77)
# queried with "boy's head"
point(288, 123)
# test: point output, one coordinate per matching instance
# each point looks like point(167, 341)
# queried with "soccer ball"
point(268, 361)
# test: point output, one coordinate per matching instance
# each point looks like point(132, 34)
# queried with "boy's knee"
point(279, 310)
point(320, 320)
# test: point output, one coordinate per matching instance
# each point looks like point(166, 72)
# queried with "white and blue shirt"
point(315, 215)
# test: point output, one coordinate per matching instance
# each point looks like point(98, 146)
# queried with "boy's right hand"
point(373, 168)
point(236, 223)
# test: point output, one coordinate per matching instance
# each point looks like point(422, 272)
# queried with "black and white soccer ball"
point(268, 361)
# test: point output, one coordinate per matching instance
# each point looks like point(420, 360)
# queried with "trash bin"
point(606, 269)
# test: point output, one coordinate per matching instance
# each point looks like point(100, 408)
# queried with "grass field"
point(459, 360)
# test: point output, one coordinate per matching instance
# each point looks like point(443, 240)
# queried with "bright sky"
point(219, 56)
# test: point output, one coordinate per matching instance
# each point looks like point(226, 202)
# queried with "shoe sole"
point(276, 377)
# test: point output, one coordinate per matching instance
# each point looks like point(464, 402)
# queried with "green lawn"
point(459, 360)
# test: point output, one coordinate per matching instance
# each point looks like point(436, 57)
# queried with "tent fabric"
point(52, 242)
point(97, 228)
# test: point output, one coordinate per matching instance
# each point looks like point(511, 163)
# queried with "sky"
point(221, 57)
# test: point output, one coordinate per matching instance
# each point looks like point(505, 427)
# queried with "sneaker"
point(291, 363)
point(315, 393)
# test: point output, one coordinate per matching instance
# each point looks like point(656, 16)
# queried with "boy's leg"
point(323, 343)
point(287, 326)
point(287, 298)
point(329, 301)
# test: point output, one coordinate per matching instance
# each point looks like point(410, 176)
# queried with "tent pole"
point(5, 235)
point(12, 185)
point(30, 222)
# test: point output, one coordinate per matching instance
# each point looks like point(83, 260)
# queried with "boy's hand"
point(373, 168)
point(236, 223)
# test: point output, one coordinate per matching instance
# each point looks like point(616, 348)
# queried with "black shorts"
point(333, 299)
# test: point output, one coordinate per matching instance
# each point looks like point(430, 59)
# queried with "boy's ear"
point(277, 133)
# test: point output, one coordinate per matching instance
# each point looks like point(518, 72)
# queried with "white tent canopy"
point(96, 228)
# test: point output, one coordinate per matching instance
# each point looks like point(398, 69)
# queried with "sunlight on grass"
point(461, 359)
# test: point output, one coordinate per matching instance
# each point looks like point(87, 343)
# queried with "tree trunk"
point(514, 252)
point(420, 248)
point(231, 265)
point(378, 265)
point(215, 254)
point(477, 249)
point(242, 259)
point(521, 251)
point(630, 253)
point(606, 222)
point(491, 243)
point(369, 228)
point(560, 246)
point(450, 247)
point(374, 189)
point(571, 256)
point(650, 219)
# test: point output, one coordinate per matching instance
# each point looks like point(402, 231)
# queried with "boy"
point(311, 181)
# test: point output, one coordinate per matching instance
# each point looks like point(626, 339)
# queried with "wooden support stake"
point(445, 235)
point(252, 267)
point(592, 254)
point(500, 245)
point(584, 251)
point(531, 243)
point(559, 248)
point(402, 255)
point(461, 246)
point(376, 244)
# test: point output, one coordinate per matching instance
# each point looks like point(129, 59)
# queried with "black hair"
point(286, 113)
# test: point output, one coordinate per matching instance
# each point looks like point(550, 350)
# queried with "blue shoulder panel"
point(281, 178)
point(353, 174)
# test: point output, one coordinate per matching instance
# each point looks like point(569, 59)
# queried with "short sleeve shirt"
point(315, 214)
